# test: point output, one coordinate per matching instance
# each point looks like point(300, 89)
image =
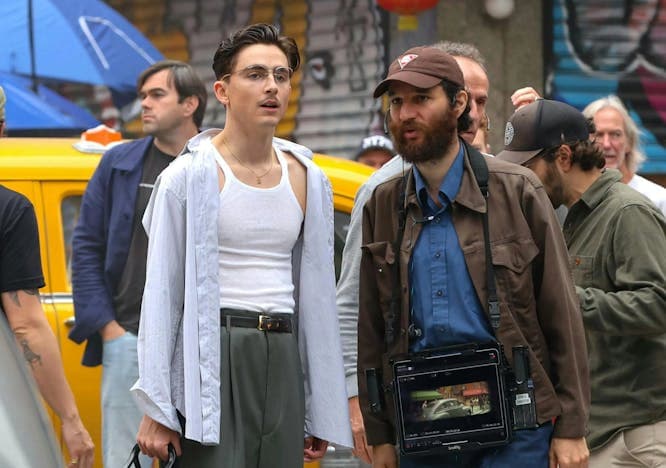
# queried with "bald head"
point(477, 85)
point(473, 67)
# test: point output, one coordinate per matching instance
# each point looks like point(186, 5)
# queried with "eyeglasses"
point(259, 74)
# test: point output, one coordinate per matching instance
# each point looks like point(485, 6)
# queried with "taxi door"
point(62, 201)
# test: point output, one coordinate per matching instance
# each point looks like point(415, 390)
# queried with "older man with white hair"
point(619, 138)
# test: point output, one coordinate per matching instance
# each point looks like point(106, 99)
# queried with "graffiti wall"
point(342, 50)
point(603, 47)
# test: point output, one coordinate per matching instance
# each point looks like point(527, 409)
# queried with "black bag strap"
point(394, 307)
point(480, 169)
point(135, 463)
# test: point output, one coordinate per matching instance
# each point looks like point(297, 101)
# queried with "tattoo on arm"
point(15, 297)
point(30, 356)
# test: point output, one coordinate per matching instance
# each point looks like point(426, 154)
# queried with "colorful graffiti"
point(603, 47)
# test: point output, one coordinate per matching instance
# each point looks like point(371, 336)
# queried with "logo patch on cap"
point(405, 59)
point(508, 134)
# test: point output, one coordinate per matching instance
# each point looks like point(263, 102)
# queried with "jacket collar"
point(133, 154)
point(469, 195)
point(596, 193)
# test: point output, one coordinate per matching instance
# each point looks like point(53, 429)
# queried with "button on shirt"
point(444, 304)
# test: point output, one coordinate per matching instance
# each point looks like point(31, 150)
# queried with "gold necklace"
point(258, 176)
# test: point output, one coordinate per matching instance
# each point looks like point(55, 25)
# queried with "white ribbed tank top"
point(257, 228)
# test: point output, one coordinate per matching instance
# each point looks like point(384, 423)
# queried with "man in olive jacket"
point(442, 270)
point(617, 243)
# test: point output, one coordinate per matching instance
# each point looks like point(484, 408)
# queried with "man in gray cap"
point(616, 241)
point(426, 282)
point(375, 151)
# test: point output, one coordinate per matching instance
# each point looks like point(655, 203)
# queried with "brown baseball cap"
point(423, 67)
point(541, 125)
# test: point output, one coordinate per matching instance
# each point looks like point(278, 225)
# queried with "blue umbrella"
point(44, 109)
point(83, 41)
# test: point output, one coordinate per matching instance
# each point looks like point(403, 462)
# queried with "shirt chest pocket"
point(581, 268)
point(513, 270)
point(383, 259)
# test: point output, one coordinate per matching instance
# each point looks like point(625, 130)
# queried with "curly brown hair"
point(584, 153)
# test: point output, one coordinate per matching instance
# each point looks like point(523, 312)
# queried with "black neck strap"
point(394, 308)
point(480, 169)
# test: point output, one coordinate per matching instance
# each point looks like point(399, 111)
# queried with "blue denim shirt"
point(444, 305)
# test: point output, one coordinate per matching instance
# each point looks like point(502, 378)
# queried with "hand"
point(79, 444)
point(314, 449)
point(361, 449)
point(568, 453)
point(154, 439)
point(523, 96)
point(384, 456)
point(111, 331)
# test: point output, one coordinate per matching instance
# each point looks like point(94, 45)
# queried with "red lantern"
point(407, 9)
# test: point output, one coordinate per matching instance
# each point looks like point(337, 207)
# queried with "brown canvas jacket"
point(539, 306)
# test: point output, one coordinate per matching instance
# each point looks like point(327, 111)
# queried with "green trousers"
point(263, 409)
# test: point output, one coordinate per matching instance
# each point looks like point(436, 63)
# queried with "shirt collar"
point(449, 187)
point(596, 193)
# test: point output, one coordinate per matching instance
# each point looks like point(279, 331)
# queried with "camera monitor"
point(451, 399)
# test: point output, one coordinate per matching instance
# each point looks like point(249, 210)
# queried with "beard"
point(552, 182)
point(438, 137)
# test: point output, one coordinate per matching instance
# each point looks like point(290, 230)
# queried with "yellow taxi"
point(53, 174)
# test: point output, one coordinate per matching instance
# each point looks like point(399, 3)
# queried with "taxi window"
point(70, 208)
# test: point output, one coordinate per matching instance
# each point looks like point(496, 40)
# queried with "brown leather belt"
point(280, 323)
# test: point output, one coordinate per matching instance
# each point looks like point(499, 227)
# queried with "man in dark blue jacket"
point(109, 243)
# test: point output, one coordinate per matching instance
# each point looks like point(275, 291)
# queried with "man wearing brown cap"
point(472, 64)
point(616, 242)
point(425, 283)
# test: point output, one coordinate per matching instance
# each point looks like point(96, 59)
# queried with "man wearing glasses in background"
point(239, 302)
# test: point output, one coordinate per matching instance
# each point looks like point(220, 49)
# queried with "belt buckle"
point(264, 323)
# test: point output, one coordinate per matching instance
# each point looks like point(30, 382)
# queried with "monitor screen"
point(449, 399)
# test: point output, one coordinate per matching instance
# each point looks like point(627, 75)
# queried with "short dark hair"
point(585, 153)
point(260, 33)
point(184, 79)
point(452, 90)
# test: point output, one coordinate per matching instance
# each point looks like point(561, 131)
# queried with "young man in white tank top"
point(239, 352)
